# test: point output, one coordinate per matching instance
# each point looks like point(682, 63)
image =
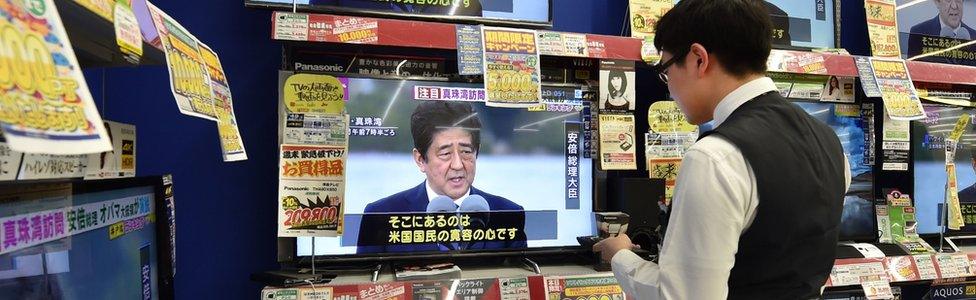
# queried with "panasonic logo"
point(319, 68)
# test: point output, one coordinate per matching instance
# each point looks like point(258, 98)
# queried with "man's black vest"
point(788, 250)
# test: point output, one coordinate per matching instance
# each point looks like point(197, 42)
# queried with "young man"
point(757, 206)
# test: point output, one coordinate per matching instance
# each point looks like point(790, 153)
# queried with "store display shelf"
point(801, 62)
point(93, 39)
point(328, 28)
point(909, 268)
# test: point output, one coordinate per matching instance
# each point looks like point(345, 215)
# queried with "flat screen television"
point(858, 219)
point(803, 24)
point(536, 13)
point(528, 167)
point(931, 26)
point(928, 145)
point(83, 240)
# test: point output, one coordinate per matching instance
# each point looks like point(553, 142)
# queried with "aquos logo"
point(953, 292)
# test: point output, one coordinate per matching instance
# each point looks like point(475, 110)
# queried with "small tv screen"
point(484, 11)
point(928, 145)
point(806, 24)
point(414, 145)
point(858, 219)
point(932, 26)
point(78, 241)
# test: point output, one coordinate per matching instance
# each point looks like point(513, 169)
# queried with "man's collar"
point(739, 96)
point(431, 194)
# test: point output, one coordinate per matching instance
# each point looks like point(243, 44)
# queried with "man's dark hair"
point(738, 32)
point(431, 117)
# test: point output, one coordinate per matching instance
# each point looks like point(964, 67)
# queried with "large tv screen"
point(484, 11)
point(928, 145)
point(526, 167)
point(857, 220)
point(933, 25)
point(79, 240)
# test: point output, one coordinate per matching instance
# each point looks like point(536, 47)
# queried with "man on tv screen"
point(948, 23)
point(447, 138)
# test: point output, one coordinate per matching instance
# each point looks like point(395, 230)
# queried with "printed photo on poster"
point(46, 105)
point(617, 86)
point(512, 67)
point(121, 161)
point(188, 76)
point(838, 89)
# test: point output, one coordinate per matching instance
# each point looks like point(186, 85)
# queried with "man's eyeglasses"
point(662, 68)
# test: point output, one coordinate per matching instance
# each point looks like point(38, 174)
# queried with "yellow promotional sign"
point(960, 127)
point(882, 28)
point(188, 76)
point(644, 15)
point(665, 116)
point(45, 106)
point(312, 93)
point(512, 67)
point(102, 8)
point(952, 194)
point(230, 136)
point(127, 33)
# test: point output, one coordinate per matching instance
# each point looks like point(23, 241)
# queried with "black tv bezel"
point(164, 274)
point(287, 247)
point(308, 8)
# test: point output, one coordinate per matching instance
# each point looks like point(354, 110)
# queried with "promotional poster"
point(311, 190)
point(188, 76)
point(618, 83)
point(584, 287)
point(901, 101)
point(882, 28)
point(512, 67)
point(617, 142)
point(231, 142)
point(52, 83)
point(669, 138)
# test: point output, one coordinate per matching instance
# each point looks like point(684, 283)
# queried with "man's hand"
point(610, 246)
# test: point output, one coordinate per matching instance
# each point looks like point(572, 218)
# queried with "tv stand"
point(376, 272)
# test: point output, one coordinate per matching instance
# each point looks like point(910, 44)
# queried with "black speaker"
point(639, 198)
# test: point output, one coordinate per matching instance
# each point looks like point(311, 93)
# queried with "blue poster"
point(469, 50)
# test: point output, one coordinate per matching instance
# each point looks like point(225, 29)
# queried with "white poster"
point(47, 166)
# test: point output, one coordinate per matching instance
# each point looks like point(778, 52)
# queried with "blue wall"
point(226, 211)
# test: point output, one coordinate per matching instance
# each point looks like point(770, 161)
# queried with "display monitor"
point(928, 145)
point(524, 171)
point(530, 12)
point(803, 24)
point(858, 219)
point(80, 240)
point(934, 25)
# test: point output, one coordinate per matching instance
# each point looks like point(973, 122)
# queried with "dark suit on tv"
point(415, 200)
point(931, 28)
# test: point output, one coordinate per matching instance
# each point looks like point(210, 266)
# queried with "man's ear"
point(418, 158)
point(701, 59)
